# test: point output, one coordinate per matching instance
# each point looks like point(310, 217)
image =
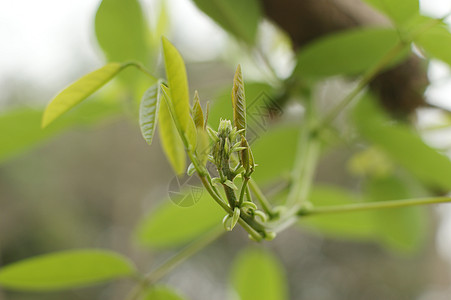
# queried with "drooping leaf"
point(239, 101)
point(348, 52)
point(122, 31)
point(171, 142)
point(240, 18)
point(161, 293)
point(400, 229)
point(64, 270)
point(436, 41)
point(398, 11)
point(79, 90)
point(402, 144)
point(178, 87)
point(148, 111)
point(171, 225)
point(256, 274)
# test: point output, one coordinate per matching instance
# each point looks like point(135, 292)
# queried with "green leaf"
point(178, 87)
point(400, 229)
point(63, 270)
point(171, 142)
point(402, 144)
point(198, 114)
point(79, 90)
point(256, 274)
point(358, 226)
point(348, 52)
point(162, 293)
point(240, 18)
point(436, 41)
point(398, 11)
point(171, 226)
point(239, 101)
point(122, 31)
point(148, 111)
point(21, 128)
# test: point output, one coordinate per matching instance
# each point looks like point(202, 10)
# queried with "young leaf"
point(79, 90)
point(241, 18)
point(179, 94)
point(170, 138)
point(122, 31)
point(402, 144)
point(257, 274)
point(160, 292)
point(198, 114)
point(63, 270)
point(348, 52)
point(181, 224)
point(148, 111)
point(203, 146)
point(239, 101)
point(398, 11)
point(436, 41)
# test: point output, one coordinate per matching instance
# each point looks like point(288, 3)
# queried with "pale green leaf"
point(122, 31)
point(436, 42)
point(198, 114)
point(160, 292)
point(171, 225)
point(79, 90)
point(239, 101)
point(402, 144)
point(257, 274)
point(399, 11)
point(179, 94)
point(148, 111)
point(400, 229)
point(63, 270)
point(240, 18)
point(171, 142)
point(348, 52)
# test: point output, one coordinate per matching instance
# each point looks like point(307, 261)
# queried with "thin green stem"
point(143, 69)
point(371, 206)
point(264, 202)
point(174, 261)
point(243, 190)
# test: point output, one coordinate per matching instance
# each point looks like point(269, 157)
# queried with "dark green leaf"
point(64, 270)
point(398, 11)
point(257, 274)
point(162, 293)
point(347, 53)
point(172, 226)
point(122, 31)
point(148, 111)
point(240, 18)
point(402, 144)
point(79, 90)
point(170, 138)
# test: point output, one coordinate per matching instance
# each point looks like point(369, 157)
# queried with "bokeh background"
point(88, 182)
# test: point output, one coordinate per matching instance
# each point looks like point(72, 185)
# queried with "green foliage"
point(64, 270)
point(180, 224)
point(80, 90)
point(436, 42)
point(256, 274)
point(402, 144)
point(398, 11)
point(354, 51)
point(148, 111)
point(239, 101)
point(122, 31)
point(170, 139)
point(240, 18)
point(161, 293)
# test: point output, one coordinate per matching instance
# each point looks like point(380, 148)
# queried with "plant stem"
point(264, 202)
point(175, 260)
point(370, 206)
point(243, 190)
point(143, 69)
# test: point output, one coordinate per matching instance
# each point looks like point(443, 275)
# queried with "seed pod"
point(239, 101)
point(198, 114)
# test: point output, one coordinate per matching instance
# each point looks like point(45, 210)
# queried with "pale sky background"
point(48, 43)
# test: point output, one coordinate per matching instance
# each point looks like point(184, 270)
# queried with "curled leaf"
point(239, 101)
point(148, 111)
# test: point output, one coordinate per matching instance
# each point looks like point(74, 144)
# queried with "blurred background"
point(88, 180)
